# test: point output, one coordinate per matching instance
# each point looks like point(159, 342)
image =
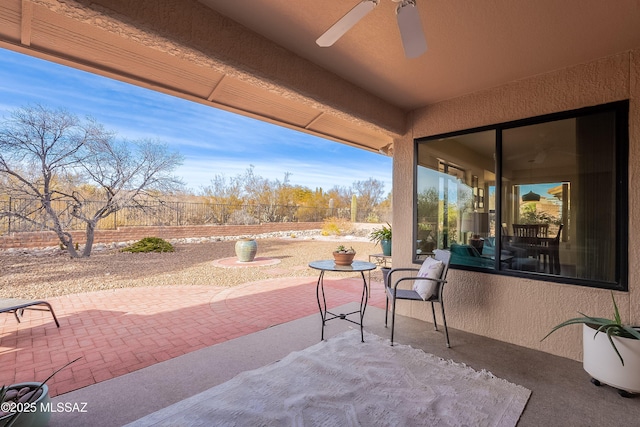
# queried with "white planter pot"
point(603, 364)
point(38, 418)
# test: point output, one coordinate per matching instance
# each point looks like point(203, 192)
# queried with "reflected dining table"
point(534, 239)
point(549, 249)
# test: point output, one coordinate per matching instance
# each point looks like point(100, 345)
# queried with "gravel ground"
point(24, 275)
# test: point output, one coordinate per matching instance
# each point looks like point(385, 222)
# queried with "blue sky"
point(212, 141)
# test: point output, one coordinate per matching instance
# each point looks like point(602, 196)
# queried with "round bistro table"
point(330, 265)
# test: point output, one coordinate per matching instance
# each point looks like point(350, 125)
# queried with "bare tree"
point(341, 196)
point(222, 190)
point(369, 193)
point(52, 156)
point(260, 199)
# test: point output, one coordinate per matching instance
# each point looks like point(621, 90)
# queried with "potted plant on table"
point(382, 236)
point(343, 255)
point(611, 351)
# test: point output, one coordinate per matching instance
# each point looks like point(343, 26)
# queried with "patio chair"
point(18, 306)
point(428, 285)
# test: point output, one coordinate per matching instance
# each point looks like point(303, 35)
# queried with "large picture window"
point(546, 196)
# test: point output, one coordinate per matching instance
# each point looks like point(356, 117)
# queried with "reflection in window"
point(555, 210)
point(452, 198)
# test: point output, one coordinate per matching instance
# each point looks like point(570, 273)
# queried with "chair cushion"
point(432, 269)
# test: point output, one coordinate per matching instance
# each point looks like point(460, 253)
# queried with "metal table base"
point(357, 266)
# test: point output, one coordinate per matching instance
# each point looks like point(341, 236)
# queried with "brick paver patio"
point(120, 331)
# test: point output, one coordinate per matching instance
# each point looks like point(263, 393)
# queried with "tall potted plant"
point(382, 236)
point(611, 350)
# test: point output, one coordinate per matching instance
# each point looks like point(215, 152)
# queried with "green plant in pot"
point(611, 350)
point(382, 236)
point(343, 255)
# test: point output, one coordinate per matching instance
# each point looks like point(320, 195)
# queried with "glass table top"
point(330, 265)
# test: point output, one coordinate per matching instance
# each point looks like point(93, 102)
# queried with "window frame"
point(621, 111)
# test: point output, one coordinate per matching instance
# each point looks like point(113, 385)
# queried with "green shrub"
point(150, 244)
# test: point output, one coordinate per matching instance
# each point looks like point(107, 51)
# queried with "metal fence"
point(161, 213)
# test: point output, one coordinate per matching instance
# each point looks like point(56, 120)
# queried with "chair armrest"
point(403, 269)
point(414, 278)
point(394, 270)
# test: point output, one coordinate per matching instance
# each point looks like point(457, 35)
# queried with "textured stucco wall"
point(522, 311)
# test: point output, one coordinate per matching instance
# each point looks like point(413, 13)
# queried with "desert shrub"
point(242, 217)
point(336, 227)
point(373, 218)
point(150, 244)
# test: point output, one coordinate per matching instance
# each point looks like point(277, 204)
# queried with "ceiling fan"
point(413, 39)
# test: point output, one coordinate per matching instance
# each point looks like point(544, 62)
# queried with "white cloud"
point(211, 140)
point(198, 172)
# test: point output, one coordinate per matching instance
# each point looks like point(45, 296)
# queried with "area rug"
point(344, 382)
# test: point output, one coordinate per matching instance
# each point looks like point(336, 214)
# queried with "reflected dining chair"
point(543, 230)
point(525, 236)
point(427, 286)
point(526, 230)
point(550, 251)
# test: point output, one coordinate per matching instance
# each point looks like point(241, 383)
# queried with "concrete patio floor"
point(561, 392)
point(146, 348)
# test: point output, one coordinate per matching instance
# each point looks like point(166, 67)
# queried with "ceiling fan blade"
point(413, 39)
point(345, 23)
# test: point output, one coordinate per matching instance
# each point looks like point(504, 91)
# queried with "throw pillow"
point(430, 269)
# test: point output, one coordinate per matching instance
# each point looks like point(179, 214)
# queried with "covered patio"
point(177, 342)
point(486, 64)
point(120, 331)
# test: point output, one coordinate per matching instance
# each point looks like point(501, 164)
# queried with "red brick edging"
point(124, 234)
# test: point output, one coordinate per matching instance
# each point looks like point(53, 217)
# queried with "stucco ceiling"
point(259, 57)
point(472, 45)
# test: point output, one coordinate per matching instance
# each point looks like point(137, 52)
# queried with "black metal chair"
point(394, 294)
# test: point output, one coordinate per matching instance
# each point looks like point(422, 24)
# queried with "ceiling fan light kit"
point(409, 23)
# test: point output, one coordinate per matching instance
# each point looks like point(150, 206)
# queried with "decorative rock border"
point(97, 247)
point(312, 234)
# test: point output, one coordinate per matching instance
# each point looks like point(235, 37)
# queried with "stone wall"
point(125, 234)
